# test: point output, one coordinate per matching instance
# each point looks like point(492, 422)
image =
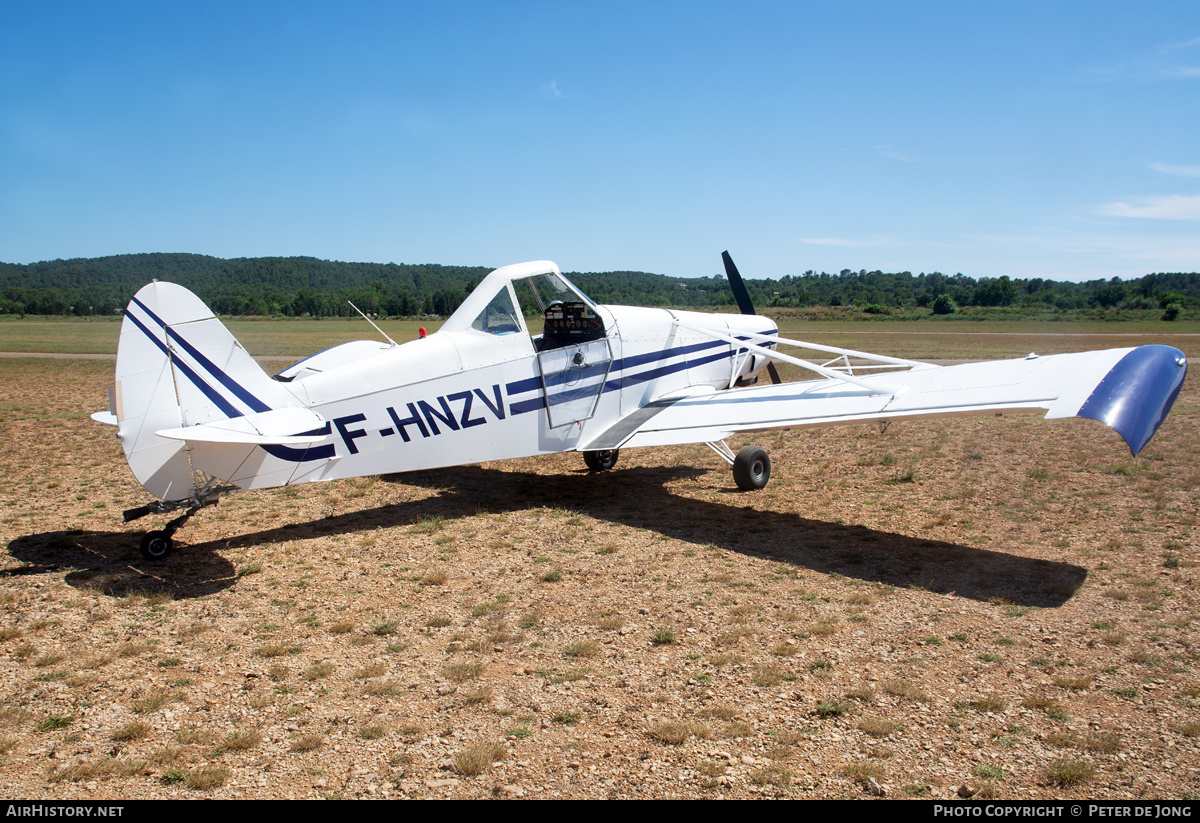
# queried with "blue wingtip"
point(1137, 393)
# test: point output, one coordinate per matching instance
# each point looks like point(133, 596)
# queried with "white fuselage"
point(467, 396)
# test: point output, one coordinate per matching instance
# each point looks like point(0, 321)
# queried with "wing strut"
point(839, 373)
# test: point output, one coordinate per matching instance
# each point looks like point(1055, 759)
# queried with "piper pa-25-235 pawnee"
point(197, 416)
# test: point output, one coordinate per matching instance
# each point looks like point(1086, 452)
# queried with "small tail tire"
point(156, 545)
point(601, 461)
point(751, 468)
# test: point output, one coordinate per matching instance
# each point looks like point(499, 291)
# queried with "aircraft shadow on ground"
point(110, 563)
point(635, 497)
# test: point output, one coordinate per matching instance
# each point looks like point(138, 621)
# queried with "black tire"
point(156, 545)
point(601, 461)
point(751, 468)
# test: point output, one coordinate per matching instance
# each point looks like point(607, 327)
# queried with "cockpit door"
point(573, 378)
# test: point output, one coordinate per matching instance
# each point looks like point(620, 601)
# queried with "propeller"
point(743, 300)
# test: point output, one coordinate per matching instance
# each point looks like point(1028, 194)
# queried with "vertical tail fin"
point(177, 365)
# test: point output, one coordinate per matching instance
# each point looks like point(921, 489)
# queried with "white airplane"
point(197, 416)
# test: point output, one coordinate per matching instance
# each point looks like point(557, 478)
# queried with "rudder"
point(178, 366)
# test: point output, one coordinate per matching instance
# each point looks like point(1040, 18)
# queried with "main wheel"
point(156, 545)
point(601, 461)
point(751, 468)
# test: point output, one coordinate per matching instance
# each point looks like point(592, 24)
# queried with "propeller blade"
point(743, 300)
point(735, 283)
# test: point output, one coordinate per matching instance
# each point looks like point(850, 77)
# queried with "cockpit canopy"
point(502, 301)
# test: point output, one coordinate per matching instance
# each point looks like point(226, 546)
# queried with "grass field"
point(918, 339)
point(1004, 604)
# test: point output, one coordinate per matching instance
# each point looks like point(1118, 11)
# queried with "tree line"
point(306, 286)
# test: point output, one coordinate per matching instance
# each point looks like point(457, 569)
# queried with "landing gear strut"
point(157, 544)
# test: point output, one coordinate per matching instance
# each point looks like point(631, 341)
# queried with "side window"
point(500, 315)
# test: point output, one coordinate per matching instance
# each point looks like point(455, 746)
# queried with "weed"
point(990, 703)
point(483, 694)
point(376, 669)
point(318, 670)
point(308, 742)
point(583, 648)
point(429, 525)
point(778, 776)
point(370, 731)
point(478, 757)
point(463, 670)
point(663, 636)
point(241, 740)
point(1067, 773)
point(56, 721)
point(134, 730)
point(988, 772)
point(863, 772)
point(903, 688)
point(672, 732)
point(382, 688)
point(768, 675)
point(833, 708)
point(1103, 742)
point(877, 726)
point(208, 777)
point(553, 575)
point(1188, 730)
point(276, 650)
point(1073, 682)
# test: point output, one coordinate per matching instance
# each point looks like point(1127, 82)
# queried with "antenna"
point(381, 331)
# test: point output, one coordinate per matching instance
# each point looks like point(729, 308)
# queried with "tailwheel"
point(751, 468)
point(601, 461)
point(156, 545)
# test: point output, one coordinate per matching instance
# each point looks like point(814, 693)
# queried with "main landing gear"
point(751, 465)
point(601, 461)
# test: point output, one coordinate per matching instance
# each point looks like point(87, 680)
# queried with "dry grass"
point(478, 757)
point(799, 619)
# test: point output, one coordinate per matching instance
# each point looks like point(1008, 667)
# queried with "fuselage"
point(477, 390)
point(463, 397)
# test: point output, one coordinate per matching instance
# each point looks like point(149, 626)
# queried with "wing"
point(1130, 390)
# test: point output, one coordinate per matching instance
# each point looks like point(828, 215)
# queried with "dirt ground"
point(997, 606)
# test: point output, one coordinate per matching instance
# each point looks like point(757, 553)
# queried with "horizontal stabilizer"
point(280, 427)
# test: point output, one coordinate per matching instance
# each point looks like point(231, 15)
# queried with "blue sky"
point(1029, 139)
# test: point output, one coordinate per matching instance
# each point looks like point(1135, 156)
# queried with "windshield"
point(538, 292)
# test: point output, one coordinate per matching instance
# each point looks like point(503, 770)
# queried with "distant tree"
point(944, 304)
